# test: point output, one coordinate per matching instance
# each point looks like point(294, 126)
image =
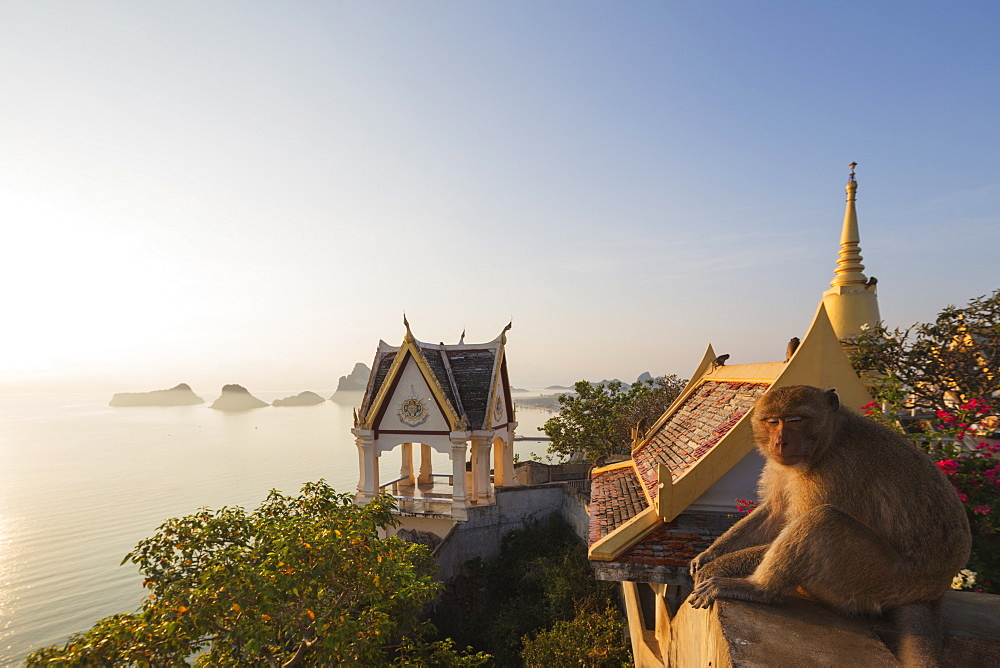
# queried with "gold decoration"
point(413, 411)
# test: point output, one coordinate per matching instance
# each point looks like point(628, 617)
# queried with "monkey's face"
point(789, 421)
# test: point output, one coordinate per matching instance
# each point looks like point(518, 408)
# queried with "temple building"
point(651, 514)
point(452, 399)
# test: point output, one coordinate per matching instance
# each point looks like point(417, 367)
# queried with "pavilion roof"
point(467, 375)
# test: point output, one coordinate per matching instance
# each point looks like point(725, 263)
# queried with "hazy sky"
point(254, 192)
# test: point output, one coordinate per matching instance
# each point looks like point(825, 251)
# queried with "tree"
point(939, 365)
point(598, 419)
point(301, 579)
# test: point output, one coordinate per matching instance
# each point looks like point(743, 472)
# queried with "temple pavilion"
point(452, 399)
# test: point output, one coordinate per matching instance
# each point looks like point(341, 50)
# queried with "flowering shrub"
point(975, 474)
point(746, 506)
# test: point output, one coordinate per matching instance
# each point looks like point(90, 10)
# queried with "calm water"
point(81, 483)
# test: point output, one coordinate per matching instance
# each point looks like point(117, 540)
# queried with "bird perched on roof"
point(719, 361)
point(793, 345)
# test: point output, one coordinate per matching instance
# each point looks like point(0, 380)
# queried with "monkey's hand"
point(741, 589)
point(700, 561)
point(705, 593)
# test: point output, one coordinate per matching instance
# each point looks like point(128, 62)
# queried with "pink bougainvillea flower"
point(949, 466)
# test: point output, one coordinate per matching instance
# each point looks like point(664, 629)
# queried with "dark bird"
point(719, 361)
point(793, 345)
point(872, 282)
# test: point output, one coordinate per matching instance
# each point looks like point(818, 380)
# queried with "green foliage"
point(933, 366)
point(541, 577)
point(592, 638)
point(300, 579)
point(436, 654)
point(598, 419)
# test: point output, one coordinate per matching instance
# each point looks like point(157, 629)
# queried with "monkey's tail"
point(920, 642)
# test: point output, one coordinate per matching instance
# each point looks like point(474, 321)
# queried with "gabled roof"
point(703, 434)
point(464, 378)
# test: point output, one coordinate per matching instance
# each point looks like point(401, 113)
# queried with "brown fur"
point(851, 513)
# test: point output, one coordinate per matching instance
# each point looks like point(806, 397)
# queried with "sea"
point(81, 483)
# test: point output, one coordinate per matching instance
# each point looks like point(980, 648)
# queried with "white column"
point(368, 465)
point(426, 468)
point(481, 467)
point(407, 467)
point(506, 457)
point(499, 465)
point(458, 454)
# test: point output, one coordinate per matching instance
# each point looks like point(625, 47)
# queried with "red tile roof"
point(678, 542)
point(615, 498)
point(695, 427)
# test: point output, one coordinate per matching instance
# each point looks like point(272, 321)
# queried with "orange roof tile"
point(695, 427)
point(615, 498)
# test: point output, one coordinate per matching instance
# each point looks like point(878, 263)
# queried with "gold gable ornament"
point(412, 410)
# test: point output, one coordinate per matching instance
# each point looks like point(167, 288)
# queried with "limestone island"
point(301, 399)
point(181, 395)
point(357, 381)
point(237, 398)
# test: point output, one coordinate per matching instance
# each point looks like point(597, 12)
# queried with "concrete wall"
point(576, 507)
point(515, 508)
point(537, 473)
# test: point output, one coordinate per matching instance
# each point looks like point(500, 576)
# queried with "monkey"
point(793, 345)
point(719, 361)
point(852, 514)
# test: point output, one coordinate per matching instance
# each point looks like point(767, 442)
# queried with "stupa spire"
point(851, 301)
point(849, 268)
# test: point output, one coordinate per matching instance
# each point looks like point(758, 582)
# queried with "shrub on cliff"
point(301, 579)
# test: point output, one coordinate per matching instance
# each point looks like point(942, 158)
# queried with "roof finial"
point(461, 340)
point(409, 334)
point(851, 301)
point(849, 270)
point(506, 329)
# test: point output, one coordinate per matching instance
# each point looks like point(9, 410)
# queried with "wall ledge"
point(801, 632)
